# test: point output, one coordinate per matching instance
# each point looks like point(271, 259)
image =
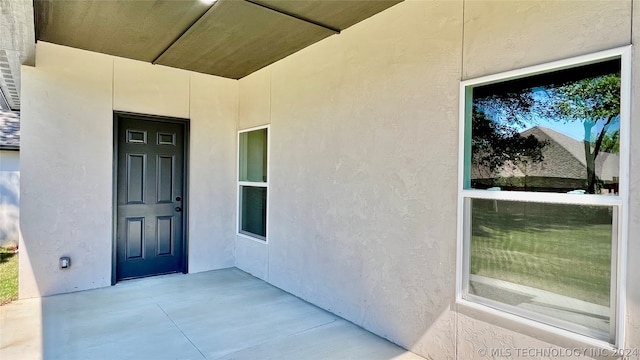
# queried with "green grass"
point(565, 249)
point(8, 276)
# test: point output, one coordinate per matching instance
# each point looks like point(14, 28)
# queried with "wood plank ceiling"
point(230, 38)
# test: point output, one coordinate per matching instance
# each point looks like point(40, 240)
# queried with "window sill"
point(536, 326)
point(262, 241)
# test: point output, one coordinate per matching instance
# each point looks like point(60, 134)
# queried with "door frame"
point(185, 184)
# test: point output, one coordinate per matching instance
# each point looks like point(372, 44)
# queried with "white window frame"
point(264, 184)
point(619, 202)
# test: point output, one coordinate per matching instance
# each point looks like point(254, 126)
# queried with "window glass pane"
point(553, 132)
point(253, 205)
point(549, 259)
point(253, 156)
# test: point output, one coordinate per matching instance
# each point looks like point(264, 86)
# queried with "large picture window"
point(542, 199)
point(253, 185)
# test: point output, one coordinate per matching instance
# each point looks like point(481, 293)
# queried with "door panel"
point(135, 178)
point(165, 179)
point(135, 235)
point(150, 189)
point(165, 235)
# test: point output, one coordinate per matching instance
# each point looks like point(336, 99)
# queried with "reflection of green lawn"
point(567, 252)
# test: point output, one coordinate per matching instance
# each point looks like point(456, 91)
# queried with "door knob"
point(178, 208)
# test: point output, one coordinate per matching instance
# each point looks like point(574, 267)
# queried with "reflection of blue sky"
point(573, 129)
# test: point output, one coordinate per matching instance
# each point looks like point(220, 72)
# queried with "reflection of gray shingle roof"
point(564, 157)
point(9, 130)
point(508, 169)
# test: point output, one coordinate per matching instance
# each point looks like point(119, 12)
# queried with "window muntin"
point(555, 193)
point(253, 185)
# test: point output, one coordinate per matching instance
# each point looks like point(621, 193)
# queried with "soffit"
point(17, 47)
point(9, 80)
point(236, 38)
point(231, 38)
point(139, 30)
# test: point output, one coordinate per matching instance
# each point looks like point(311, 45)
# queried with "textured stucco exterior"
point(363, 163)
point(533, 32)
point(364, 143)
point(633, 246)
point(9, 197)
point(67, 131)
point(353, 228)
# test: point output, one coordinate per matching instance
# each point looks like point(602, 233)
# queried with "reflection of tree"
point(493, 143)
point(610, 142)
point(593, 101)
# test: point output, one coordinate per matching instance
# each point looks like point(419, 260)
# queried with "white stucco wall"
point(364, 143)
point(67, 129)
point(9, 197)
point(66, 126)
point(212, 180)
point(352, 227)
point(633, 250)
point(354, 150)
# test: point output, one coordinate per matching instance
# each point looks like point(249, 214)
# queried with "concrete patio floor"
point(224, 314)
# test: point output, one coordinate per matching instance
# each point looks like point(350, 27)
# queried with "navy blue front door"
point(150, 189)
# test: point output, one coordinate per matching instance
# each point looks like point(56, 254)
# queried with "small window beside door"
point(253, 185)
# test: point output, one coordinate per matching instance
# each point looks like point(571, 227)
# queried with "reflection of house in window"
point(562, 169)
